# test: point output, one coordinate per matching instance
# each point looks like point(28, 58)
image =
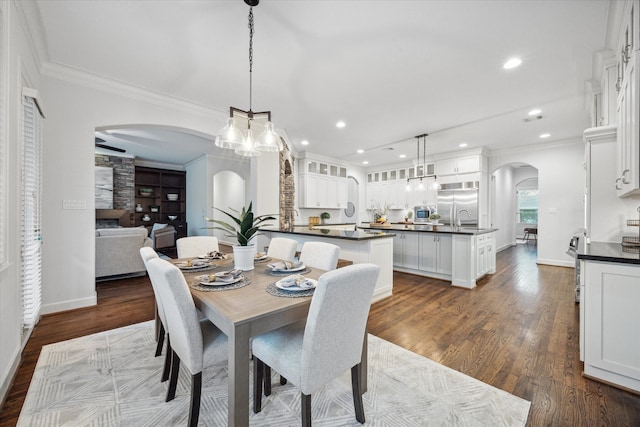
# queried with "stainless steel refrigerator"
point(459, 202)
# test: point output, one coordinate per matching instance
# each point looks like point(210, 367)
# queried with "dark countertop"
point(445, 229)
point(335, 234)
point(608, 252)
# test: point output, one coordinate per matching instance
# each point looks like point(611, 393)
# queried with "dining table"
point(246, 310)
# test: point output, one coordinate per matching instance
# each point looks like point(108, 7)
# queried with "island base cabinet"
point(611, 318)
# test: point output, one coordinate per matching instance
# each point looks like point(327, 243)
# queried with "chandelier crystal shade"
point(246, 132)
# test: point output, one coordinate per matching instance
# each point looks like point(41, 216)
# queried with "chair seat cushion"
point(283, 348)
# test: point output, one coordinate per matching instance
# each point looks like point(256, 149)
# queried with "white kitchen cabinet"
point(323, 185)
point(628, 149)
point(467, 164)
point(611, 319)
point(435, 253)
point(485, 255)
point(406, 249)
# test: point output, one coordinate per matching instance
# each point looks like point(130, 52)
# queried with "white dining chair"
point(282, 248)
point(320, 255)
point(194, 343)
point(193, 246)
point(147, 254)
point(311, 355)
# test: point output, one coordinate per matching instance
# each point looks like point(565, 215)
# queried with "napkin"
point(296, 280)
point(284, 265)
point(216, 255)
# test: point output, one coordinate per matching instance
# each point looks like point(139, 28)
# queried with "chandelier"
point(422, 167)
point(249, 133)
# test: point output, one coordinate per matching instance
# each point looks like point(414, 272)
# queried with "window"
point(31, 183)
point(528, 206)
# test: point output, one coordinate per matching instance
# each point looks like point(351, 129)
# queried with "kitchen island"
point(358, 246)
point(457, 254)
point(609, 315)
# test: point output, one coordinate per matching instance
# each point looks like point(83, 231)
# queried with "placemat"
point(270, 272)
point(277, 292)
point(196, 270)
point(242, 283)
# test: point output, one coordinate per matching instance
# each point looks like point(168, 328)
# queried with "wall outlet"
point(74, 205)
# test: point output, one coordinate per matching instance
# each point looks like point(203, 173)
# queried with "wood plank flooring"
point(518, 331)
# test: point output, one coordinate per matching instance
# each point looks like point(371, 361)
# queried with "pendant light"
point(435, 185)
point(249, 133)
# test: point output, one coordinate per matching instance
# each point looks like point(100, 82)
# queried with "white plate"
point(204, 280)
point(296, 288)
point(292, 270)
point(262, 258)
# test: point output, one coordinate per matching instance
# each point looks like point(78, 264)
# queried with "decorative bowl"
point(173, 217)
point(172, 196)
point(154, 208)
point(145, 191)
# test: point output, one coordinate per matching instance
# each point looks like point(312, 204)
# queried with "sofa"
point(118, 251)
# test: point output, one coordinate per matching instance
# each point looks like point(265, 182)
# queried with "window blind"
point(31, 237)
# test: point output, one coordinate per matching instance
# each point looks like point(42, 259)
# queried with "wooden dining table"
point(244, 313)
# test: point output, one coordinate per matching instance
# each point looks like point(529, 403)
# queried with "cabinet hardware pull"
point(624, 176)
point(618, 87)
point(618, 187)
point(625, 54)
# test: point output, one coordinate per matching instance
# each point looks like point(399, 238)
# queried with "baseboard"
point(505, 246)
point(556, 263)
point(69, 305)
point(9, 377)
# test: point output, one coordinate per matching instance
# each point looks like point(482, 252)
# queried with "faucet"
point(458, 216)
point(292, 217)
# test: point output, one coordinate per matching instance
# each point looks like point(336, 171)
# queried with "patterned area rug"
point(112, 379)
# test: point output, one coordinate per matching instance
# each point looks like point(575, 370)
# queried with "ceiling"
point(390, 69)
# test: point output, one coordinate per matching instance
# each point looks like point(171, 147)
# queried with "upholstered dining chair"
point(311, 355)
point(320, 255)
point(147, 254)
point(193, 343)
point(193, 246)
point(282, 248)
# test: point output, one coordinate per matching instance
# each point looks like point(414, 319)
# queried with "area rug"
point(112, 379)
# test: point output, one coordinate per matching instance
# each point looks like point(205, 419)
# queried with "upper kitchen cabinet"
point(323, 185)
point(459, 165)
point(628, 151)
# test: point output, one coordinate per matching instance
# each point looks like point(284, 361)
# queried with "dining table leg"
point(238, 395)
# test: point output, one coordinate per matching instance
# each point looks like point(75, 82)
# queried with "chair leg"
point(258, 372)
point(305, 409)
point(357, 393)
point(196, 390)
point(160, 340)
point(167, 361)
point(173, 381)
point(267, 379)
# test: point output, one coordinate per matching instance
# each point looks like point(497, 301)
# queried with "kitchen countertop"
point(608, 252)
point(445, 229)
point(358, 234)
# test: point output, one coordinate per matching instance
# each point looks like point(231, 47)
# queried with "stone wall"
point(287, 188)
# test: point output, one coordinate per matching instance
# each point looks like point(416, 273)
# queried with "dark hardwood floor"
point(518, 331)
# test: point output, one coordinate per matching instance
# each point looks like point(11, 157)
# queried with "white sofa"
point(118, 251)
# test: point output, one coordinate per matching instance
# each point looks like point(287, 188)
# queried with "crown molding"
point(104, 84)
point(33, 28)
point(537, 147)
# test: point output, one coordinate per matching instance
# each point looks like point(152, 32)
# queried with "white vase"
point(243, 257)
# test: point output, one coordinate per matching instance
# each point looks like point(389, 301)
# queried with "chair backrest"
point(193, 246)
point(182, 318)
point(336, 324)
point(147, 254)
point(320, 255)
point(282, 248)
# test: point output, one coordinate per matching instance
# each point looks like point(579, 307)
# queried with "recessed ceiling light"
point(545, 135)
point(365, 162)
point(304, 142)
point(360, 151)
point(512, 63)
point(341, 124)
point(535, 112)
point(402, 156)
point(462, 145)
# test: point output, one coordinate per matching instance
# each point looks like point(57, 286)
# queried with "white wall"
point(561, 189)
point(503, 207)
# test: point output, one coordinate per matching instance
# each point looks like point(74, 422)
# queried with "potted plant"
point(324, 216)
point(435, 217)
point(244, 226)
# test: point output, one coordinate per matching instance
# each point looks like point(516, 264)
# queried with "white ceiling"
point(390, 69)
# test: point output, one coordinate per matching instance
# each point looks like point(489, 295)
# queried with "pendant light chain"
point(250, 57)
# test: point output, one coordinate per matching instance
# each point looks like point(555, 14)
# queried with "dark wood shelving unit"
point(152, 189)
